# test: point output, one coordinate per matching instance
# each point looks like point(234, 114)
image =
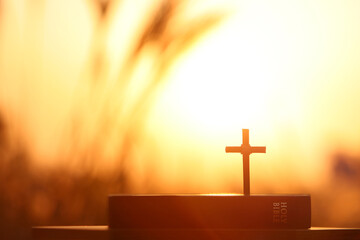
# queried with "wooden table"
point(105, 233)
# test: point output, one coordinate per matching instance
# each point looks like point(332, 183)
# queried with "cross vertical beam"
point(245, 149)
point(246, 174)
point(245, 135)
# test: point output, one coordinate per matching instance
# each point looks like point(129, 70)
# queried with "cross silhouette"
point(245, 149)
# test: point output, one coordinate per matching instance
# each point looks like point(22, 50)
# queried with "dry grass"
point(58, 196)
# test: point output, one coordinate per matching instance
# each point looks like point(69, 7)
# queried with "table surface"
point(103, 232)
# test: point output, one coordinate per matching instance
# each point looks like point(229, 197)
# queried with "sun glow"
point(266, 68)
point(285, 70)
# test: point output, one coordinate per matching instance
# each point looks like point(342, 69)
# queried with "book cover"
point(209, 211)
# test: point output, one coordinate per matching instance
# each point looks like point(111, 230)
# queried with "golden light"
point(283, 69)
point(243, 75)
point(287, 70)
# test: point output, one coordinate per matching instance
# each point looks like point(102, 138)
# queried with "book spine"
point(213, 212)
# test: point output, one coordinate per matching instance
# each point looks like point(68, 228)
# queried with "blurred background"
point(110, 96)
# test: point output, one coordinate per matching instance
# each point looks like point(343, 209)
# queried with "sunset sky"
point(287, 70)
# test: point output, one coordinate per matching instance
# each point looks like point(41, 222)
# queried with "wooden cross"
point(245, 149)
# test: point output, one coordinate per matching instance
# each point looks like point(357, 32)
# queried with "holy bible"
point(209, 211)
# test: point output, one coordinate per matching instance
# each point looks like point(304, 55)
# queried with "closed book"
point(209, 211)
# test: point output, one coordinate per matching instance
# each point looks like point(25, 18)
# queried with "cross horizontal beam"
point(245, 149)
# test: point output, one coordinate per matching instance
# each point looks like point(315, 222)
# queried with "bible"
point(209, 211)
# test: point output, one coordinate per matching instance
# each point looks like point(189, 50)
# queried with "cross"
point(245, 149)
